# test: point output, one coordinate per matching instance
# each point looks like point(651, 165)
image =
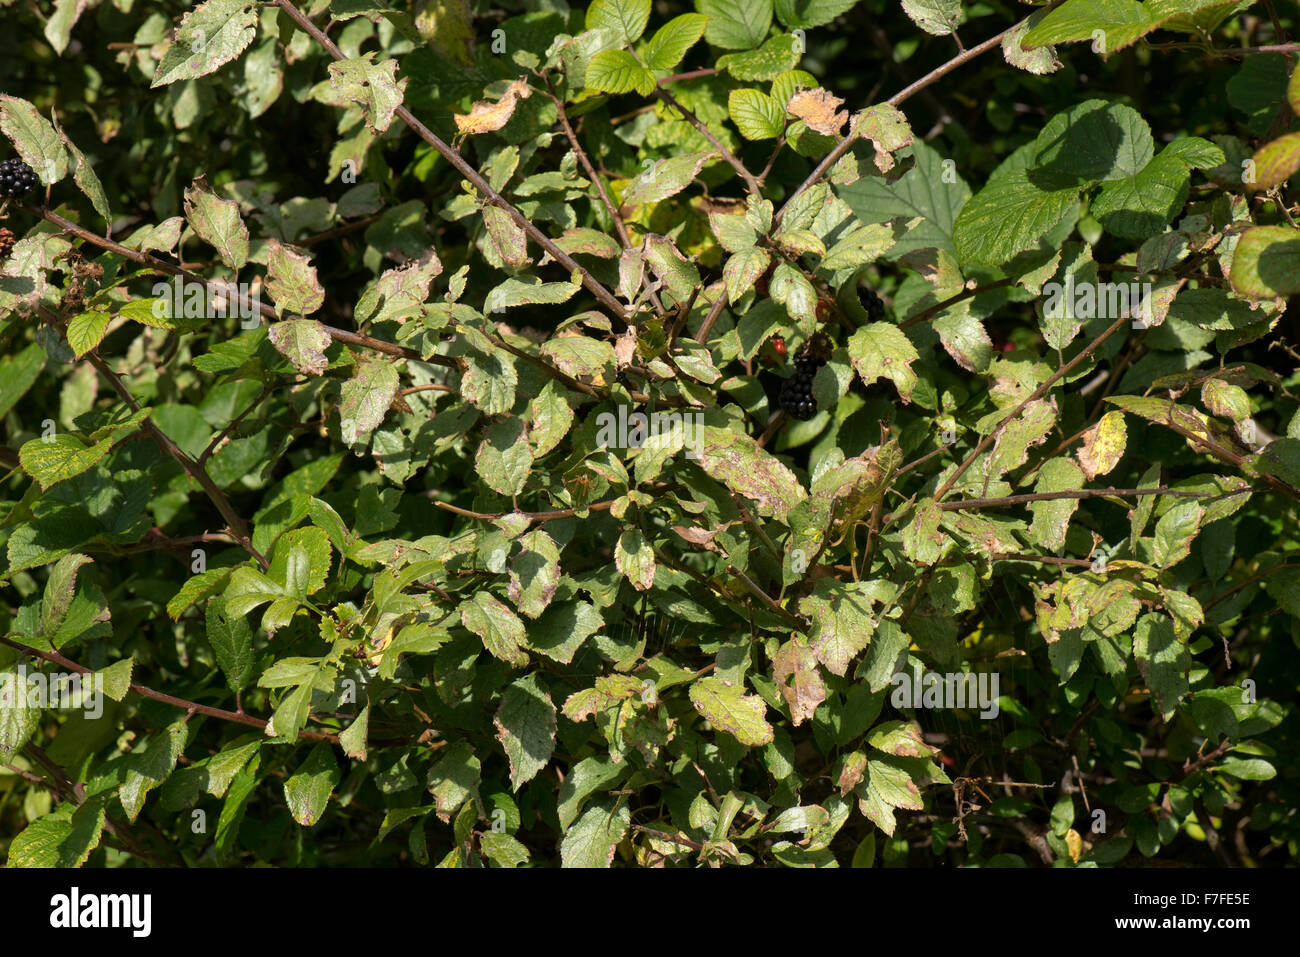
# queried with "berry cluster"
point(17, 178)
point(871, 303)
point(796, 392)
point(7, 241)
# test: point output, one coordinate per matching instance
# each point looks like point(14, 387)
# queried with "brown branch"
point(170, 269)
point(237, 717)
point(236, 525)
point(1079, 493)
point(932, 311)
point(1249, 581)
point(1038, 393)
point(833, 157)
point(458, 162)
point(531, 516)
point(751, 183)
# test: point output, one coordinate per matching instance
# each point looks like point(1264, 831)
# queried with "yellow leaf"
point(1103, 445)
point(1074, 844)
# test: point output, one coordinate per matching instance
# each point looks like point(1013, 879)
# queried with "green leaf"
point(117, 678)
point(635, 559)
point(664, 178)
point(210, 35)
point(1175, 533)
point(591, 840)
point(756, 115)
point(291, 281)
point(842, 622)
point(1120, 22)
point(736, 24)
point(307, 791)
point(1277, 162)
point(736, 460)
point(1266, 262)
point(882, 350)
point(85, 331)
point(366, 398)
point(775, 57)
point(19, 718)
point(673, 39)
point(303, 342)
point(727, 707)
point(743, 269)
point(454, 779)
point(501, 630)
point(59, 457)
point(18, 372)
point(1008, 216)
point(1052, 516)
point(1140, 206)
point(930, 191)
point(526, 724)
point(150, 765)
point(584, 779)
point(617, 71)
point(372, 86)
point(627, 18)
point(63, 838)
point(217, 223)
point(504, 458)
point(34, 138)
point(231, 638)
point(1163, 661)
point(804, 14)
point(937, 17)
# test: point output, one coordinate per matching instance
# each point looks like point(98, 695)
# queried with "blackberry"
point(7, 241)
point(796, 392)
point(17, 178)
point(875, 309)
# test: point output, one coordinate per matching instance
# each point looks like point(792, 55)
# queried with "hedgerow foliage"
point(376, 564)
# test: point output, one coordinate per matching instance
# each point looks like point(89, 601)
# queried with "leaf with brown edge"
point(794, 668)
point(737, 461)
point(526, 724)
point(888, 130)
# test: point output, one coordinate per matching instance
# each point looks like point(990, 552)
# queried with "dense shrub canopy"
point(395, 455)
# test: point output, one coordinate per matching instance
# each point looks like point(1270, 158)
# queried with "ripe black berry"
point(17, 178)
point(796, 392)
point(875, 309)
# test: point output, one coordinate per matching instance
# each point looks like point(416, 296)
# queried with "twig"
point(146, 692)
point(234, 523)
point(751, 183)
point(453, 156)
point(1038, 393)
